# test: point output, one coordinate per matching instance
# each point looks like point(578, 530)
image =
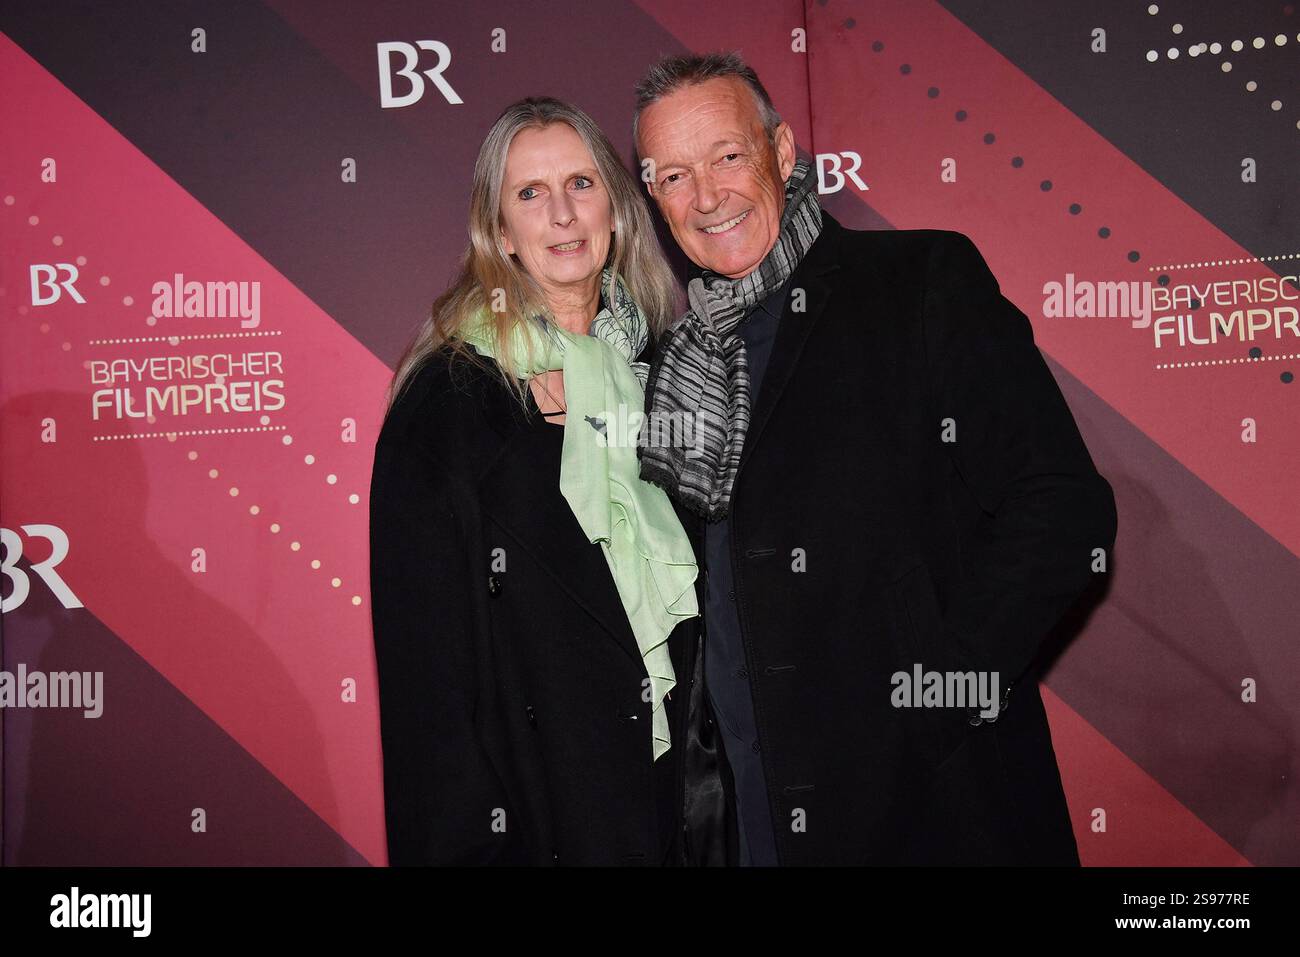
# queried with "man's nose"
point(708, 196)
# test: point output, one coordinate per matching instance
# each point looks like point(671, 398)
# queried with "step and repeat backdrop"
point(222, 222)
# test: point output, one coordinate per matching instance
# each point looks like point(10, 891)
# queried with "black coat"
point(510, 681)
point(958, 555)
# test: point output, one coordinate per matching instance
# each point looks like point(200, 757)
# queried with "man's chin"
point(731, 266)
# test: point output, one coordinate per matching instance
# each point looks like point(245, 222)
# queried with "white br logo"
point(45, 276)
point(412, 55)
point(830, 163)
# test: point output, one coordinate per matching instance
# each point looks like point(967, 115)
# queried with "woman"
point(534, 602)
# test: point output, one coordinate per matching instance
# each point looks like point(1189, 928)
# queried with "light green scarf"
point(633, 521)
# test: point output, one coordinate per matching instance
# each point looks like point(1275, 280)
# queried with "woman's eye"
point(585, 179)
point(525, 190)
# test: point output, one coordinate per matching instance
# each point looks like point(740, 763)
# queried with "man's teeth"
point(723, 227)
point(567, 247)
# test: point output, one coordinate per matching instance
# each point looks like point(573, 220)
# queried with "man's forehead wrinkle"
point(698, 122)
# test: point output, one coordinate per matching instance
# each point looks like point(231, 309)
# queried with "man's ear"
point(785, 152)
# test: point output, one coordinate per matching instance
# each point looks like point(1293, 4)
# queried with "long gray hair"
point(635, 256)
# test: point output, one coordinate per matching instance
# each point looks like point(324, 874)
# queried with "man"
point(891, 498)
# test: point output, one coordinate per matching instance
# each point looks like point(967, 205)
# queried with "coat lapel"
point(821, 259)
point(529, 506)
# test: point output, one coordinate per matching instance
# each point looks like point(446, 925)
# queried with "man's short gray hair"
point(674, 72)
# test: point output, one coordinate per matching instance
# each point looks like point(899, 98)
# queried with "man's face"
point(712, 165)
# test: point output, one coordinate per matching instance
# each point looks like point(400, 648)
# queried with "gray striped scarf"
point(701, 375)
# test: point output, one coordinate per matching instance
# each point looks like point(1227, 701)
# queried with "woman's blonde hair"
point(634, 255)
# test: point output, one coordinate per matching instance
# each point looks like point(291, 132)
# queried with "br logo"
point(411, 54)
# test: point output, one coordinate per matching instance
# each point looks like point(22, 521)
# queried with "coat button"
point(494, 585)
point(755, 747)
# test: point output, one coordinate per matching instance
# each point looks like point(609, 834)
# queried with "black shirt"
point(726, 668)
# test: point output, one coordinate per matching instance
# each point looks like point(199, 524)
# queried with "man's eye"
point(729, 155)
point(668, 180)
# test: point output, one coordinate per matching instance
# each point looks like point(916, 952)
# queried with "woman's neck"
point(575, 310)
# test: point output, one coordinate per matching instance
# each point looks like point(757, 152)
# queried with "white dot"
point(254, 510)
point(1216, 47)
point(1276, 105)
point(128, 300)
point(265, 420)
point(1153, 9)
point(309, 459)
point(336, 582)
point(57, 240)
point(275, 528)
point(1227, 67)
point(287, 439)
point(104, 280)
point(1194, 51)
point(9, 200)
point(33, 220)
point(1177, 28)
point(81, 260)
point(213, 473)
point(192, 455)
point(356, 599)
point(233, 491)
point(354, 498)
point(331, 478)
point(1280, 39)
point(295, 545)
point(1152, 56)
point(67, 346)
point(1257, 43)
point(315, 563)
point(1250, 85)
point(1173, 53)
point(150, 321)
point(1237, 45)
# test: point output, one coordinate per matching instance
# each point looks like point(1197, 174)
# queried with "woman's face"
point(553, 197)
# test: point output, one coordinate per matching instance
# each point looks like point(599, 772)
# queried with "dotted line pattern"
point(172, 340)
point(1226, 262)
point(1221, 362)
point(1017, 162)
point(172, 435)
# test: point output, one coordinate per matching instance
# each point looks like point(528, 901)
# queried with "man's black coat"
point(913, 490)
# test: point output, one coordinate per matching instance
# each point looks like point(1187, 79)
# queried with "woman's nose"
point(562, 210)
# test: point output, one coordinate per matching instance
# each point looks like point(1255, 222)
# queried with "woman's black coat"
point(512, 719)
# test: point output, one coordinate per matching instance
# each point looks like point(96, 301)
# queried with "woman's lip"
point(568, 252)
